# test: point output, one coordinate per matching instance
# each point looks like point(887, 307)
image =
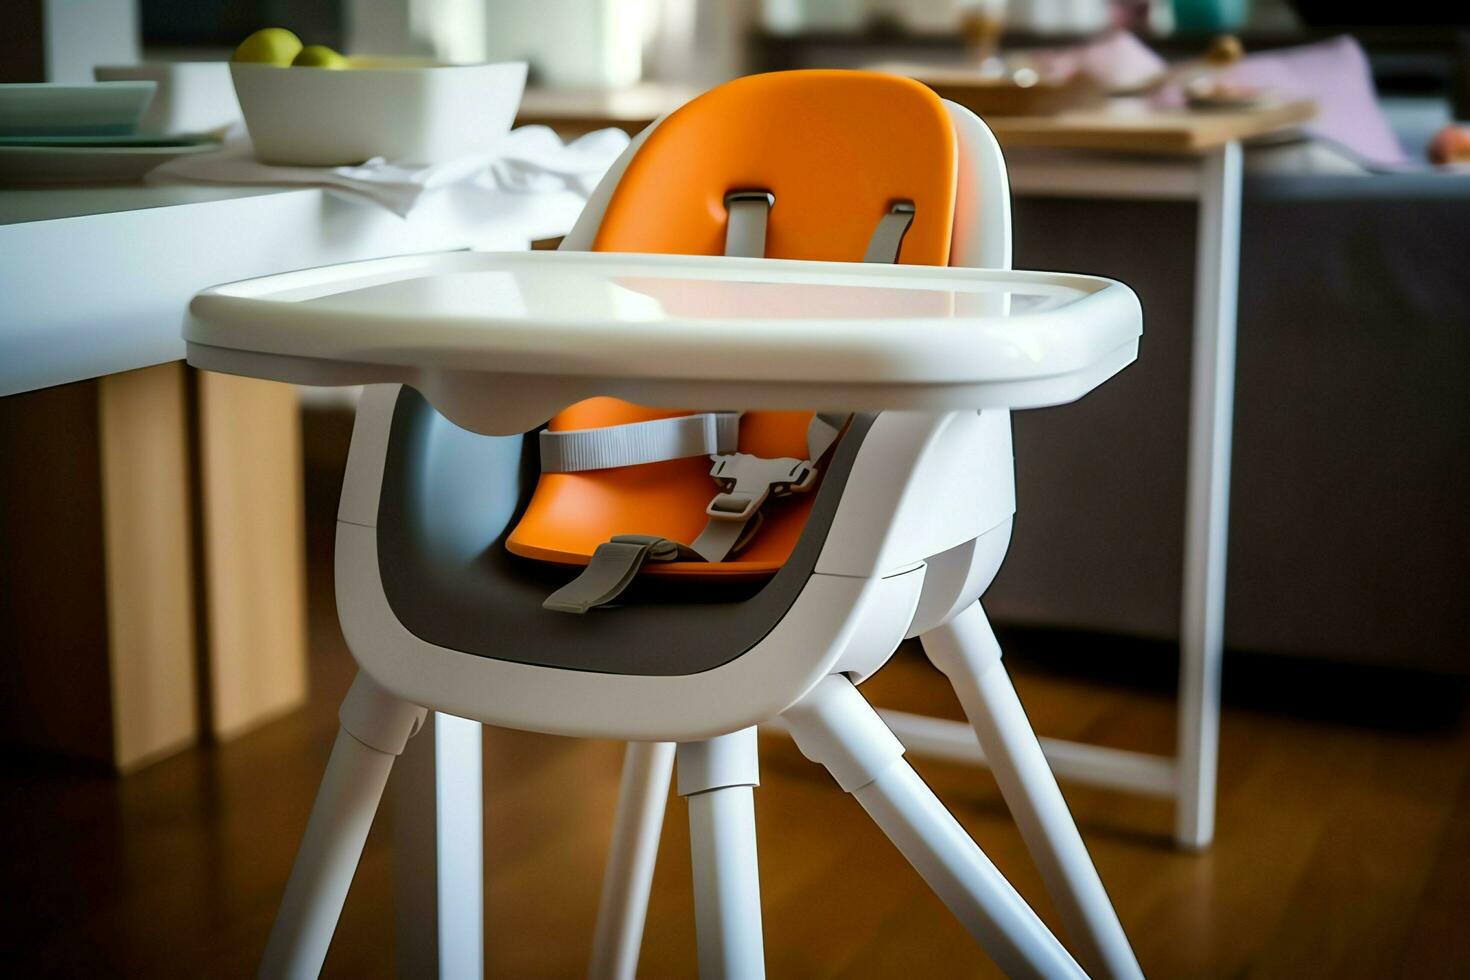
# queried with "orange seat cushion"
point(836, 148)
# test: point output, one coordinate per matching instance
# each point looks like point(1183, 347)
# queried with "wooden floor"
point(1343, 851)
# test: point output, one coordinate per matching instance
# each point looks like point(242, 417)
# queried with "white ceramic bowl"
point(193, 96)
point(405, 111)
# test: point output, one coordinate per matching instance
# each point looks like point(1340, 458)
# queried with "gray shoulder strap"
point(888, 236)
point(745, 230)
point(635, 443)
point(823, 431)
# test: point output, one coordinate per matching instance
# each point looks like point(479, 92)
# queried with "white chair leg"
point(718, 777)
point(966, 651)
point(647, 767)
point(834, 726)
point(375, 728)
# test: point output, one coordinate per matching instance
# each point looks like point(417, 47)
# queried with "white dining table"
point(201, 472)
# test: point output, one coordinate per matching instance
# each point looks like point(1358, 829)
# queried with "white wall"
point(449, 30)
point(570, 42)
point(81, 34)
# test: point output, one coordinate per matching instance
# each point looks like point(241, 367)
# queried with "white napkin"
point(531, 177)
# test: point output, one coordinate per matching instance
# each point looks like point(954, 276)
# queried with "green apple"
point(272, 46)
point(318, 56)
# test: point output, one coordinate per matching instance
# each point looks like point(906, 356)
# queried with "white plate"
point(72, 164)
point(51, 109)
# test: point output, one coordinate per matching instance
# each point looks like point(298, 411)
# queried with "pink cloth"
point(1116, 62)
point(1335, 75)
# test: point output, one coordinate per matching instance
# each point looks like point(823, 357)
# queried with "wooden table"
point(573, 111)
point(1119, 153)
point(153, 546)
point(1135, 131)
point(1171, 155)
point(1120, 128)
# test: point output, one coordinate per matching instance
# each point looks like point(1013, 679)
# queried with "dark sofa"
point(1350, 517)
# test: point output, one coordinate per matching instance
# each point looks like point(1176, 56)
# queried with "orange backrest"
point(836, 149)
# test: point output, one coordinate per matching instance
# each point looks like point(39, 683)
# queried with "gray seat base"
point(450, 497)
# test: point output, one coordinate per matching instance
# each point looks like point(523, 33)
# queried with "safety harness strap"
point(823, 431)
point(745, 228)
point(636, 443)
point(747, 481)
point(721, 538)
point(612, 569)
point(887, 238)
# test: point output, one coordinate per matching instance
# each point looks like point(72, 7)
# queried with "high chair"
point(678, 577)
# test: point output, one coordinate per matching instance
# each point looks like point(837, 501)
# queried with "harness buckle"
point(746, 481)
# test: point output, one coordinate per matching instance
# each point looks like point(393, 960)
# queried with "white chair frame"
point(887, 570)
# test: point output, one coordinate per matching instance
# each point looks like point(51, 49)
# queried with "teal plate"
point(88, 162)
point(123, 140)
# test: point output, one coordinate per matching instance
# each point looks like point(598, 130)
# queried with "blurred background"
point(1343, 840)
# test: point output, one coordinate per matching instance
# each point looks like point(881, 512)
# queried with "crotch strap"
point(746, 482)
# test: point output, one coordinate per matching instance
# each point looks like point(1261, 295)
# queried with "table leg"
point(438, 851)
point(139, 508)
point(1212, 395)
point(149, 599)
point(97, 604)
point(251, 550)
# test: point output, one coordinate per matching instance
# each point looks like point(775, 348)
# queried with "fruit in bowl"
point(319, 56)
point(1451, 145)
point(423, 112)
point(278, 46)
point(272, 46)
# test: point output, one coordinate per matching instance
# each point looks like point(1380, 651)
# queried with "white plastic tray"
point(500, 341)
